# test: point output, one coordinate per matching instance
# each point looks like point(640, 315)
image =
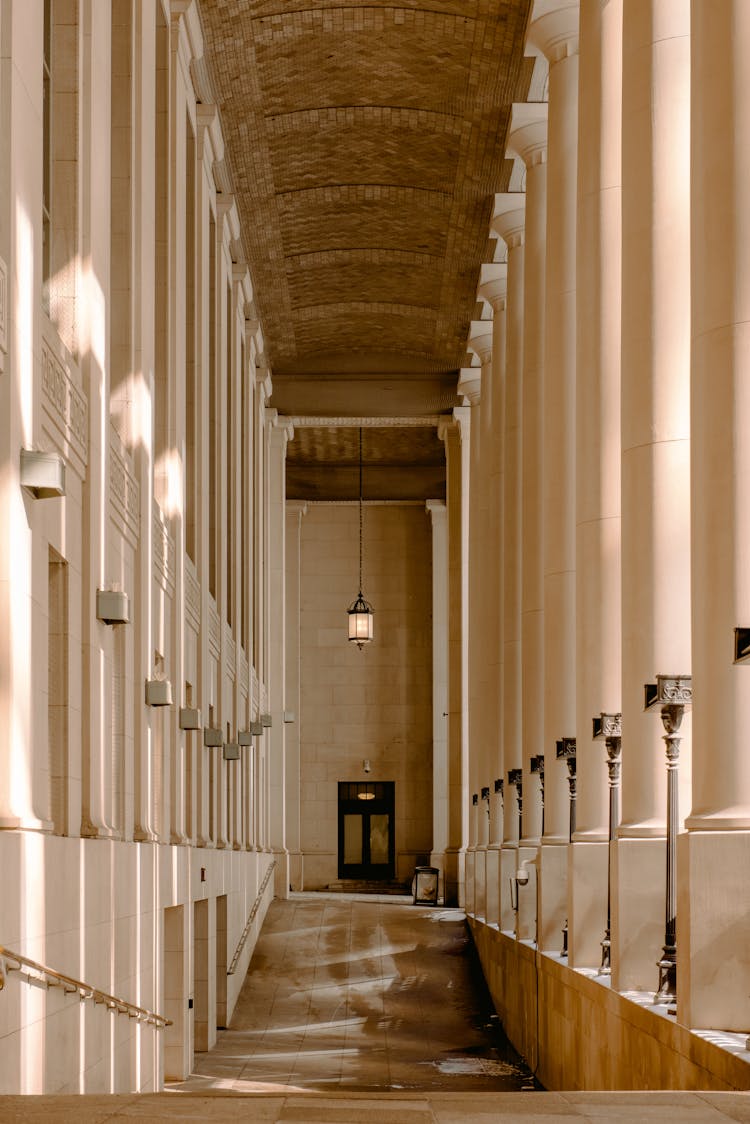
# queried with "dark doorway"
point(367, 848)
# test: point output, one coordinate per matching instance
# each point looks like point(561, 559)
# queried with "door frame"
point(380, 800)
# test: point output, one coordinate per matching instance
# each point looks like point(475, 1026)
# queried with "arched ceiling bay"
point(366, 142)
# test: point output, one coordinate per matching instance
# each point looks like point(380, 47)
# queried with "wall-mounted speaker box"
point(190, 718)
point(42, 474)
point(158, 692)
point(112, 606)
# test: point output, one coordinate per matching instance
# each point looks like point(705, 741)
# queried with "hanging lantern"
point(360, 613)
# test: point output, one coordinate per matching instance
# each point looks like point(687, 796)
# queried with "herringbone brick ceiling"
point(366, 141)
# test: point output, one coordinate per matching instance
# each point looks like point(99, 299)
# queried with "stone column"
point(554, 32)
point(493, 289)
point(509, 222)
point(655, 455)
point(293, 551)
point(714, 857)
point(440, 771)
point(456, 449)
point(280, 432)
point(598, 651)
point(469, 388)
point(528, 140)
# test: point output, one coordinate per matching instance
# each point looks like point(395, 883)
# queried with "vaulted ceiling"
point(366, 142)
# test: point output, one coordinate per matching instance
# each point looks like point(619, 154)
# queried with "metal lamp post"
point(609, 727)
point(515, 777)
point(565, 750)
point(673, 693)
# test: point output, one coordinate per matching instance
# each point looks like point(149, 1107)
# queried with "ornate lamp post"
point(515, 777)
point(565, 749)
point(609, 727)
point(673, 693)
point(537, 766)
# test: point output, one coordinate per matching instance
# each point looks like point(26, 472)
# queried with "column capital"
point(437, 510)
point(470, 382)
point(493, 284)
point(554, 28)
point(296, 509)
point(509, 217)
point(281, 428)
point(479, 342)
point(527, 135)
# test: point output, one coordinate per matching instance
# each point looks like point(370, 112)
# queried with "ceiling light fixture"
point(360, 613)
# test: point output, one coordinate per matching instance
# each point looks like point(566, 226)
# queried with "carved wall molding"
point(65, 411)
point(124, 491)
point(300, 422)
point(163, 553)
point(230, 652)
point(214, 629)
point(192, 596)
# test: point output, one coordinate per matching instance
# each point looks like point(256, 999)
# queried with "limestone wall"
point(374, 704)
point(576, 1033)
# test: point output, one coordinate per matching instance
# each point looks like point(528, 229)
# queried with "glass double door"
point(366, 837)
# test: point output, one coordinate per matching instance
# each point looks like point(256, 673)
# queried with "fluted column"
point(655, 454)
point(509, 222)
point(598, 652)
point(493, 289)
point(528, 140)
point(440, 771)
point(714, 857)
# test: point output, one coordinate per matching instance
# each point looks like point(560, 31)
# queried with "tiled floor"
point(366, 994)
point(362, 1011)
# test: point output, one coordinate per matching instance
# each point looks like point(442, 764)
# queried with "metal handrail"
point(70, 986)
point(251, 918)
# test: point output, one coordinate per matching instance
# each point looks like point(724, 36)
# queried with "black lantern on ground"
point(360, 613)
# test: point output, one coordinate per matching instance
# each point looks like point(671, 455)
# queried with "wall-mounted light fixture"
point(112, 606)
point(360, 612)
point(42, 474)
point(190, 718)
point(158, 692)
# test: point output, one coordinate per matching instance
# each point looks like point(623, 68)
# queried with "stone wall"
point(374, 704)
point(576, 1033)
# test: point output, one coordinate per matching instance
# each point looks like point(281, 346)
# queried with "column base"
point(553, 894)
point(639, 874)
point(526, 929)
point(587, 903)
point(296, 868)
point(508, 868)
point(454, 877)
point(470, 887)
point(492, 860)
point(24, 823)
point(281, 874)
point(713, 950)
point(480, 883)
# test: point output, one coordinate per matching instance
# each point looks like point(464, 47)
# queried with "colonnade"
point(608, 510)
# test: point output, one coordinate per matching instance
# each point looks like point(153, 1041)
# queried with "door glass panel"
point(352, 839)
point(379, 839)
